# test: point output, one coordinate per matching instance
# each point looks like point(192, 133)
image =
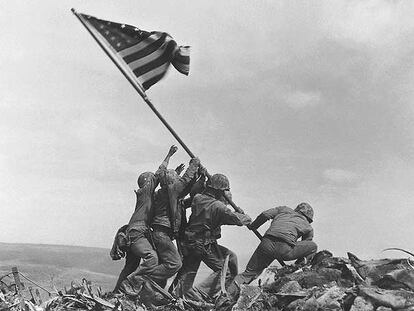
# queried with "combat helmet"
point(306, 210)
point(144, 177)
point(219, 182)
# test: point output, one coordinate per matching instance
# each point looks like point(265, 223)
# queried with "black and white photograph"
point(207, 155)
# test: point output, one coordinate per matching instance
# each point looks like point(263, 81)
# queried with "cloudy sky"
point(294, 101)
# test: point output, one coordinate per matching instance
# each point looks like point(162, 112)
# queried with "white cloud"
point(379, 206)
point(339, 175)
point(367, 22)
point(299, 99)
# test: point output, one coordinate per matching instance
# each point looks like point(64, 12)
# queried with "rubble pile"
point(327, 283)
point(80, 296)
point(332, 283)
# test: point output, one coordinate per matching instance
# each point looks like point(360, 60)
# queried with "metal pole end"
point(73, 10)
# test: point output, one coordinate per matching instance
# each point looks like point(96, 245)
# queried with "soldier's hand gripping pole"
point(257, 233)
point(235, 207)
point(239, 210)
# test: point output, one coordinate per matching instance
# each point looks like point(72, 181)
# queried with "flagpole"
point(128, 75)
point(149, 103)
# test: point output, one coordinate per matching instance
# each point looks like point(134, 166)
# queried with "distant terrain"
point(59, 265)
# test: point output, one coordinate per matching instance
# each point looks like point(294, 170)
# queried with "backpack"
point(121, 244)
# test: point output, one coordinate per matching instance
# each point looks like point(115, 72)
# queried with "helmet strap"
point(214, 192)
point(220, 195)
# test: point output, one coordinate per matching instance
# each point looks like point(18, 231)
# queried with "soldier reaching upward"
point(167, 220)
point(138, 230)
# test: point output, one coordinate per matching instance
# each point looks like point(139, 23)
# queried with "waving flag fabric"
point(146, 54)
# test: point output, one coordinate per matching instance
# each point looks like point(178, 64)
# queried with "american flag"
point(147, 54)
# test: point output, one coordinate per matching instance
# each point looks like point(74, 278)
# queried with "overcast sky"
point(294, 101)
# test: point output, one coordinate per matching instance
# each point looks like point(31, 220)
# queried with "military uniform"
point(167, 220)
point(138, 230)
point(279, 242)
point(203, 230)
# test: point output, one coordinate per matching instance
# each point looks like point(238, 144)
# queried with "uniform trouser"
point(168, 256)
point(131, 264)
point(213, 255)
point(267, 251)
point(142, 248)
point(141, 257)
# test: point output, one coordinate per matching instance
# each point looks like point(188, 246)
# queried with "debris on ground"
point(327, 283)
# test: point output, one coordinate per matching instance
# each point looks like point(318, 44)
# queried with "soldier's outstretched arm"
point(162, 169)
point(188, 175)
point(228, 217)
point(244, 218)
point(173, 149)
point(265, 216)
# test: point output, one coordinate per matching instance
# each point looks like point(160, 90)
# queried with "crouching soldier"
point(137, 232)
point(279, 242)
point(209, 213)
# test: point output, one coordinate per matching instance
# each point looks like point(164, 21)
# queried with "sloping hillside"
point(59, 265)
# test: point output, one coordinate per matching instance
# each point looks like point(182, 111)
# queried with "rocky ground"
point(327, 283)
point(332, 283)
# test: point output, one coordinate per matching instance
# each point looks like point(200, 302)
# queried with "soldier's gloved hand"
point(173, 149)
point(248, 221)
point(180, 168)
point(202, 170)
point(195, 161)
point(117, 254)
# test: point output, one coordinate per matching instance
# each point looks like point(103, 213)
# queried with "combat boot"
point(225, 302)
point(300, 262)
point(132, 286)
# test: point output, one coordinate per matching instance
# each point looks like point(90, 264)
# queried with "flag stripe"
point(153, 46)
point(146, 85)
point(181, 60)
point(185, 60)
point(149, 58)
point(155, 63)
point(140, 45)
point(162, 69)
